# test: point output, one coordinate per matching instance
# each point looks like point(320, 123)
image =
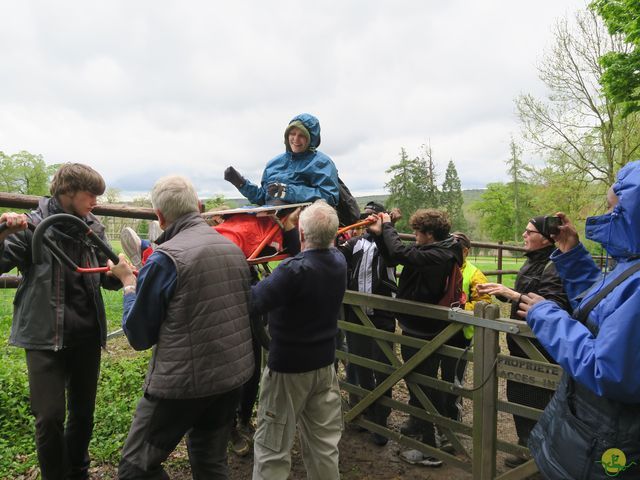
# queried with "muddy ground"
point(360, 458)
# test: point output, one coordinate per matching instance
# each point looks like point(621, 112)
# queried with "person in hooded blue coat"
point(591, 427)
point(301, 174)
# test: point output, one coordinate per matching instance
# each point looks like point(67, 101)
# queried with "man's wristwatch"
point(129, 289)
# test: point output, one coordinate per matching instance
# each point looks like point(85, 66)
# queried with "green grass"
point(491, 263)
point(121, 377)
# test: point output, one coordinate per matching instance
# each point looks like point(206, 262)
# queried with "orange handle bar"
point(362, 223)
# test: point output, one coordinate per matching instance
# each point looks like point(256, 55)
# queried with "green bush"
point(120, 386)
point(119, 389)
point(17, 448)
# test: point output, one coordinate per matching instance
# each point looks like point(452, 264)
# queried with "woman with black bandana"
point(537, 275)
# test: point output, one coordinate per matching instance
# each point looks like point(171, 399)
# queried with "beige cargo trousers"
point(309, 400)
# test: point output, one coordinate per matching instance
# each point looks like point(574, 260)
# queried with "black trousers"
point(446, 403)
point(59, 381)
point(524, 394)
point(249, 393)
point(159, 424)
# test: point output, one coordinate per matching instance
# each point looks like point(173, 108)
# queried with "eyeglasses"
point(529, 232)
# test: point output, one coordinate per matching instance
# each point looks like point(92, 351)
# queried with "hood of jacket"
point(453, 244)
point(617, 231)
point(312, 125)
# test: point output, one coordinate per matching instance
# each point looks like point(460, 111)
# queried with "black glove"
point(277, 190)
point(232, 176)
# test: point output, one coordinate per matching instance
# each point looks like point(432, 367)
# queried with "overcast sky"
point(140, 89)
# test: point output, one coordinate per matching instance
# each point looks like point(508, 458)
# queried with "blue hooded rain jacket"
point(308, 176)
point(608, 364)
point(596, 407)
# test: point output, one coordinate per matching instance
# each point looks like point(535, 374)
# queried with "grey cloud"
point(141, 89)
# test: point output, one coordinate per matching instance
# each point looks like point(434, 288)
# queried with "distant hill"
point(471, 196)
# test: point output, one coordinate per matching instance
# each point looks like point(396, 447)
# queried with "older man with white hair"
point(190, 302)
point(299, 385)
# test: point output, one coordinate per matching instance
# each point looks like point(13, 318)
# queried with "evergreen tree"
point(516, 171)
point(427, 179)
point(413, 184)
point(402, 189)
point(452, 198)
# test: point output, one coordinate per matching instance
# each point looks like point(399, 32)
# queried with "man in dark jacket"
point(299, 385)
point(191, 303)
point(59, 319)
point(426, 266)
point(370, 272)
point(537, 275)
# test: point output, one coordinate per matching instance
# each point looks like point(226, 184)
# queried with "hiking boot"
point(239, 444)
point(412, 427)
point(131, 244)
point(513, 461)
point(154, 231)
point(246, 429)
point(379, 440)
point(416, 457)
point(443, 443)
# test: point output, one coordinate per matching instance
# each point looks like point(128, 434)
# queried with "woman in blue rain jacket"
point(591, 427)
point(301, 174)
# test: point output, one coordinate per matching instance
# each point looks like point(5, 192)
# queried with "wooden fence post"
point(500, 253)
point(485, 397)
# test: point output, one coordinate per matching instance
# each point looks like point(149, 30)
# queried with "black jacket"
point(370, 272)
point(41, 314)
point(425, 269)
point(537, 275)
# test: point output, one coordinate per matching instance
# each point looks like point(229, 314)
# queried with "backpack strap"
point(582, 314)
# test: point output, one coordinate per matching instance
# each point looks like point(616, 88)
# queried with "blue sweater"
point(303, 296)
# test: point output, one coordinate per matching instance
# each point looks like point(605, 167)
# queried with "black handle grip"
point(39, 239)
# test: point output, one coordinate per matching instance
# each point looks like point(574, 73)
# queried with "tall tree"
point(112, 195)
point(577, 123)
point(621, 77)
point(25, 173)
point(403, 191)
point(497, 214)
point(516, 172)
point(452, 197)
point(427, 178)
point(413, 184)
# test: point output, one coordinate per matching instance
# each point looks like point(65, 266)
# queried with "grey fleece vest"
point(204, 345)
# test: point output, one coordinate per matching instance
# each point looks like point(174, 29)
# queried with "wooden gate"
point(476, 445)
